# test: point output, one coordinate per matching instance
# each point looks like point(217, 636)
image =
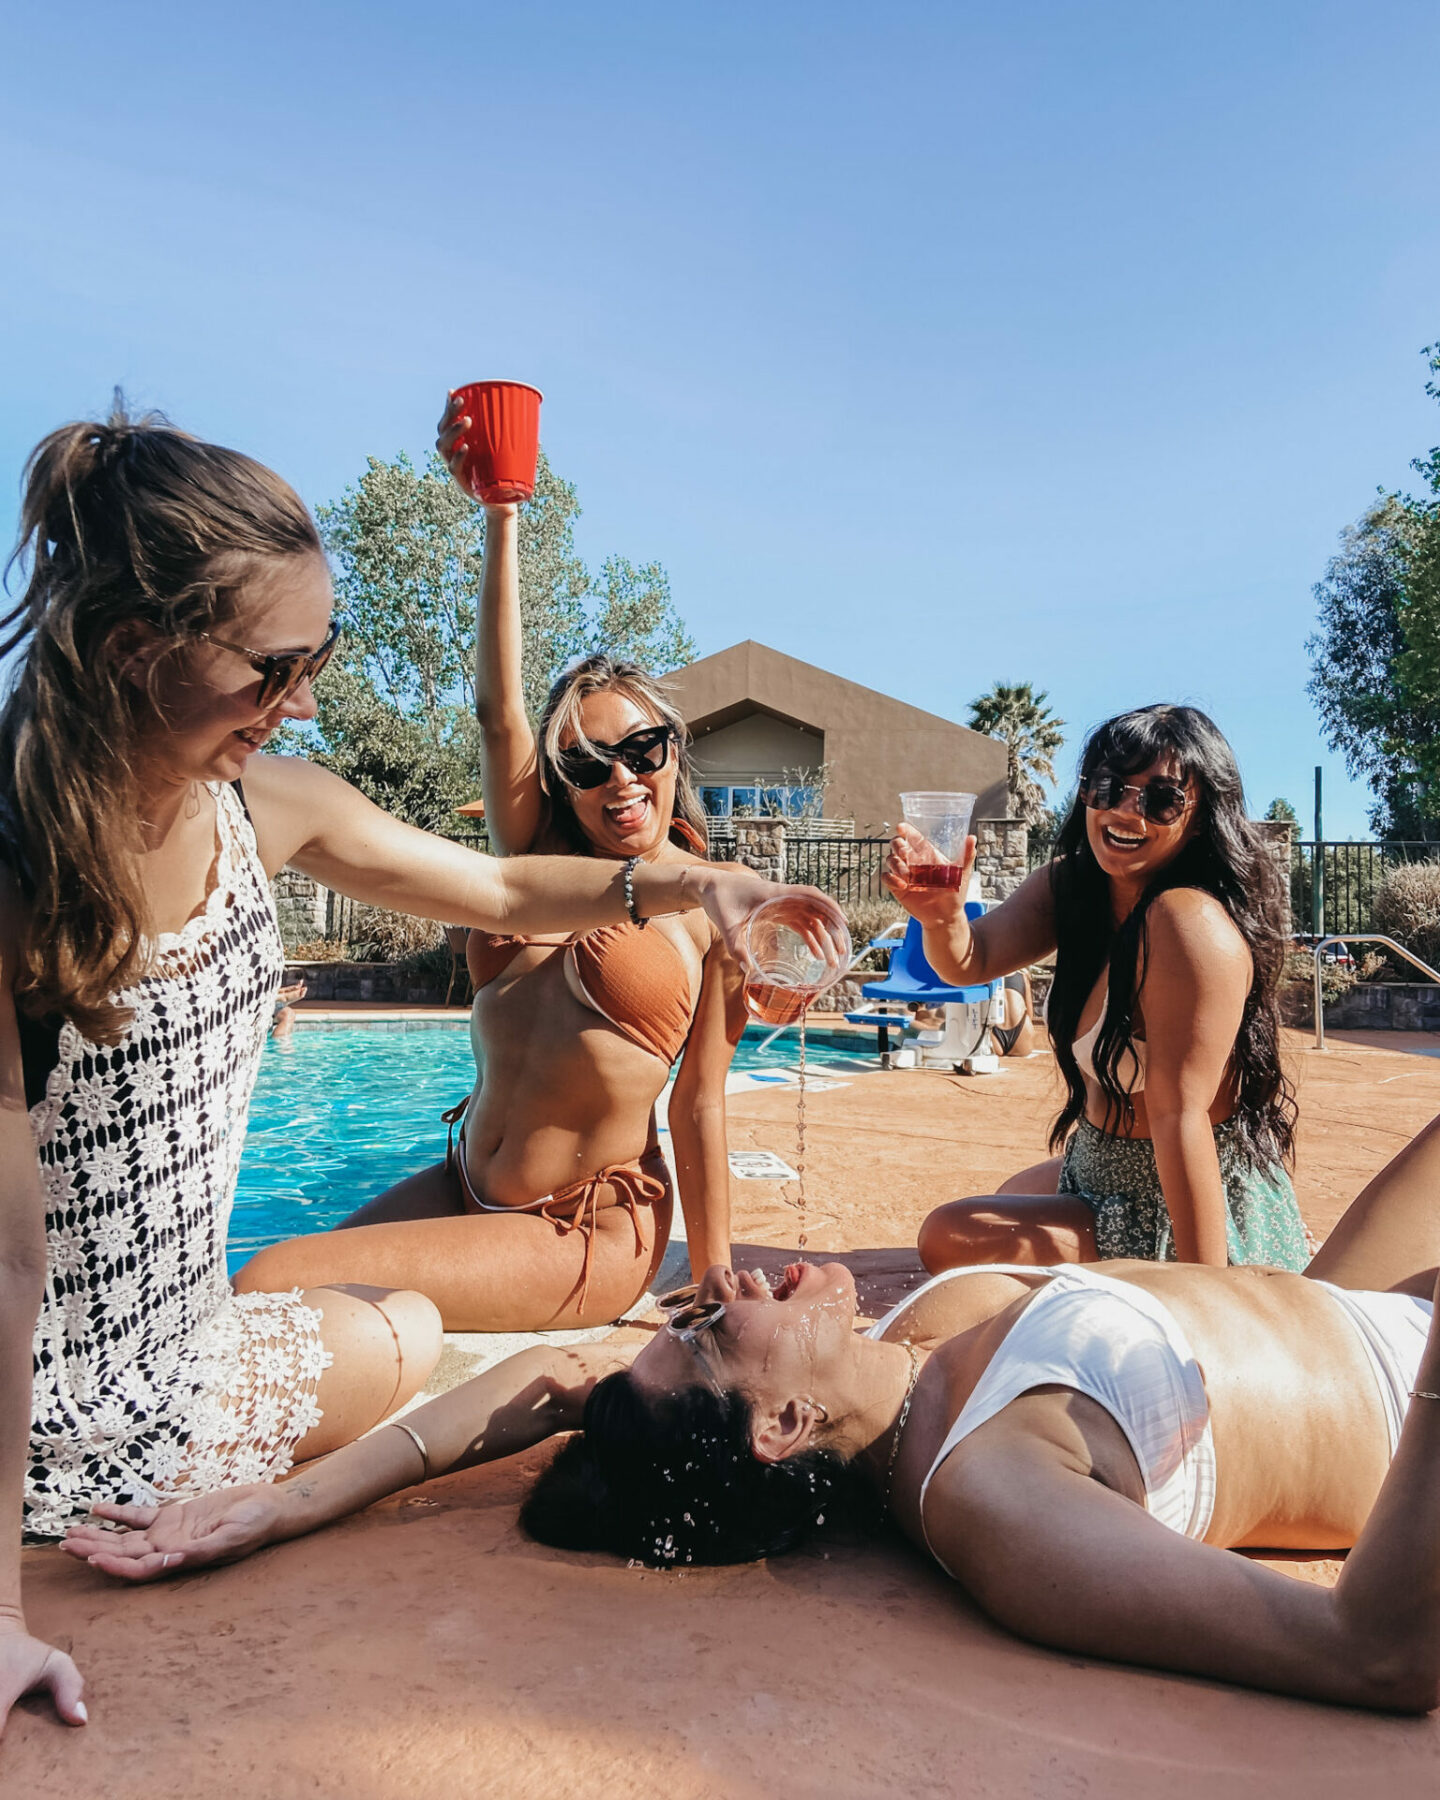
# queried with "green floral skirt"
point(1118, 1180)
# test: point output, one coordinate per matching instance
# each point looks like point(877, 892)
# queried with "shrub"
point(1336, 978)
point(318, 950)
point(868, 918)
point(1407, 908)
point(378, 935)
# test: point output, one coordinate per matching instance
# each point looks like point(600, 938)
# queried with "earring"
point(823, 1411)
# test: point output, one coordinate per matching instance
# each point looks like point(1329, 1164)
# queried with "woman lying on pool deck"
point(1078, 1446)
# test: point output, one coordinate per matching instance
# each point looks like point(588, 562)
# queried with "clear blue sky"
point(936, 343)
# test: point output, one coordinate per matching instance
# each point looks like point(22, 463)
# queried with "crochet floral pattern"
point(152, 1379)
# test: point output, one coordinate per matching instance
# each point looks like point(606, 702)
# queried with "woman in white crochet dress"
point(177, 606)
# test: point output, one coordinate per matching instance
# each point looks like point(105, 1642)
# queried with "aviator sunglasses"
point(281, 673)
point(643, 753)
point(687, 1315)
point(1159, 800)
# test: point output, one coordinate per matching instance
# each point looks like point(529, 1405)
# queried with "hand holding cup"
point(796, 946)
point(489, 438)
point(909, 873)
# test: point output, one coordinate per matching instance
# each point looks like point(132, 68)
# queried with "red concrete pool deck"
point(426, 1649)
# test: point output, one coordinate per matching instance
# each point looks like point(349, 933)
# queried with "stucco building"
point(764, 724)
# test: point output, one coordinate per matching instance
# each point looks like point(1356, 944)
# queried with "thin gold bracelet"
point(1423, 1394)
point(419, 1443)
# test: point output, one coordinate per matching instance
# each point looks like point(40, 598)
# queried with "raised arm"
point(519, 1403)
point(1008, 937)
point(511, 774)
point(1192, 995)
point(511, 767)
point(26, 1662)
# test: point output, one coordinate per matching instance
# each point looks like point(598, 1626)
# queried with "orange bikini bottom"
point(644, 1181)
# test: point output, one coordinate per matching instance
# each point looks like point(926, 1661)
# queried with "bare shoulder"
point(280, 780)
point(1190, 923)
point(958, 1301)
point(290, 800)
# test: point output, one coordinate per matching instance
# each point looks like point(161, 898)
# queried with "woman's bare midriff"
point(561, 1093)
point(1301, 1445)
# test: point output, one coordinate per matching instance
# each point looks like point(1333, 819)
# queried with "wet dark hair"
point(672, 1480)
point(1226, 857)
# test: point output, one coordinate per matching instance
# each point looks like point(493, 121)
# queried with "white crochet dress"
point(152, 1379)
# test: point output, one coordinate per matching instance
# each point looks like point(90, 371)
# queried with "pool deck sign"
point(760, 1165)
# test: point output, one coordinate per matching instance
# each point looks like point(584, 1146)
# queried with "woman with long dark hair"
point(1079, 1448)
point(1169, 921)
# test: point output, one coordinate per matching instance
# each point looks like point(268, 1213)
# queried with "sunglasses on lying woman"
point(1159, 800)
point(643, 753)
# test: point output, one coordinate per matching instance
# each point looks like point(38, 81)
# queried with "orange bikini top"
point(636, 979)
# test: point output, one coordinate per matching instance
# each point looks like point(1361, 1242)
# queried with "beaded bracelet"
point(630, 905)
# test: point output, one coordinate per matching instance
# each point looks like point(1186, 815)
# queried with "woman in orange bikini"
point(553, 1207)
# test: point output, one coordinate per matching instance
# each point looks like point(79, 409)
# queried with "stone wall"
point(1380, 1006)
point(1002, 846)
point(300, 907)
point(760, 845)
point(390, 983)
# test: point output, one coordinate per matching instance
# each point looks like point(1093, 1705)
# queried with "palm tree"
point(1031, 734)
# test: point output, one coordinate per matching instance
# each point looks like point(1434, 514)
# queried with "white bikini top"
point(1083, 1051)
point(1122, 1348)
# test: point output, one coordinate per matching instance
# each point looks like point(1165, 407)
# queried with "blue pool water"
point(353, 1108)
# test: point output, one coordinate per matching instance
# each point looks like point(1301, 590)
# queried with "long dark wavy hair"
point(669, 1480)
point(1227, 857)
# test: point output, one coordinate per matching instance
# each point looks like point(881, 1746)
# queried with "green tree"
point(635, 618)
point(1375, 659)
point(1282, 812)
point(396, 706)
point(1032, 736)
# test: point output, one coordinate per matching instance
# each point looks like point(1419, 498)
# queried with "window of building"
point(774, 801)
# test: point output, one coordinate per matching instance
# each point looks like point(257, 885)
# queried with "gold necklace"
point(900, 1423)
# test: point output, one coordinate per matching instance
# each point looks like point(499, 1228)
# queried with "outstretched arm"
point(964, 951)
point(305, 815)
point(519, 1403)
point(1059, 1558)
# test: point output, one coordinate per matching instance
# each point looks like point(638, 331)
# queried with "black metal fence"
point(848, 869)
point(1333, 885)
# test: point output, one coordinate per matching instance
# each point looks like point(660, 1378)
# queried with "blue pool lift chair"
point(912, 982)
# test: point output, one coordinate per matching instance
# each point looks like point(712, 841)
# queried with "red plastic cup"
point(503, 440)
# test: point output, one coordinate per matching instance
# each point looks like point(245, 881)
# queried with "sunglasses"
point(643, 753)
point(282, 673)
point(1159, 800)
point(687, 1315)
